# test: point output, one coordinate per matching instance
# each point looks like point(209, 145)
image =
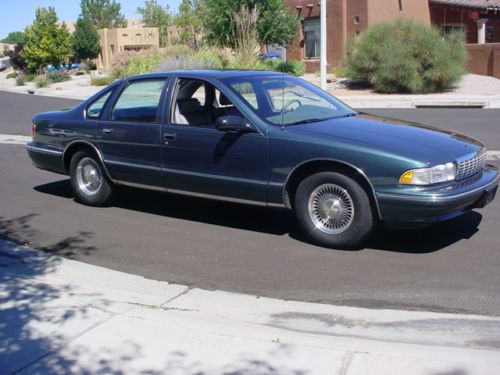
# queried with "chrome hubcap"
point(331, 208)
point(88, 176)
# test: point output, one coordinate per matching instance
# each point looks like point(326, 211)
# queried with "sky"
point(16, 15)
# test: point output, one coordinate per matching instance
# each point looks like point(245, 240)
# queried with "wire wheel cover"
point(331, 209)
point(88, 176)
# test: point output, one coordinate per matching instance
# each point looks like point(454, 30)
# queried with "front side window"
point(199, 103)
point(312, 38)
point(139, 101)
point(285, 100)
point(94, 110)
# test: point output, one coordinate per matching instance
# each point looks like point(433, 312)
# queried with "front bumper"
point(427, 205)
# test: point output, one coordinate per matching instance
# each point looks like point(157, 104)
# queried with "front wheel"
point(89, 180)
point(333, 210)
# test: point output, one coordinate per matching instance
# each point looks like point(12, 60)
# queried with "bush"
point(30, 77)
point(11, 75)
point(294, 67)
point(54, 77)
point(21, 80)
point(101, 81)
point(405, 56)
point(43, 82)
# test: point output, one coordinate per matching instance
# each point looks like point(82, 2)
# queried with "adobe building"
point(345, 19)
point(113, 41)
point(479, 19)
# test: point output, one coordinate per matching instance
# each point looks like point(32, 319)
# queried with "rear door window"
point(139, 101)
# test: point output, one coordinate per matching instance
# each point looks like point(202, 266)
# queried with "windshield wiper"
point(307, 121)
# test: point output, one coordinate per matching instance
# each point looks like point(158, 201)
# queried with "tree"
point(189, 21)
point(46, 41)
point(275, 25)
point(14, 37)
point(156, 15)
point(103, 13)
point(85, 40)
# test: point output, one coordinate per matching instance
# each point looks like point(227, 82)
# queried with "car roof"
point(219, 74)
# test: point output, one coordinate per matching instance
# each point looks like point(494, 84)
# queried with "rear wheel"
point(333, 210)
point(88, 179)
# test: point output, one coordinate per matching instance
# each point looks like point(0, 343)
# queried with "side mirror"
point(233, 123)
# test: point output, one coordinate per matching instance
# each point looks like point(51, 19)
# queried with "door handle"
point(169, 137)
point(107, 130)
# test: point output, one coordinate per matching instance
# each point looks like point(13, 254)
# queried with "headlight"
point(428, 176)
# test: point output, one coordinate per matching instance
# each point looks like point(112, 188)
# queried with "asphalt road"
point(451, 267)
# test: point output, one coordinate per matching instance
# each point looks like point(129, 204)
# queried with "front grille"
point(471, 166)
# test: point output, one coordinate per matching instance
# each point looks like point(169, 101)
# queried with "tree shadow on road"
point(41, 313)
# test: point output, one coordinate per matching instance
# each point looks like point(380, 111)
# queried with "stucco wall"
point(389, 10)
point(484, 59)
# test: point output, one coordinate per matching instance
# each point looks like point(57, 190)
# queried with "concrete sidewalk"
point(60, 316)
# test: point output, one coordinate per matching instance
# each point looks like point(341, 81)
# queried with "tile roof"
point(491, 4)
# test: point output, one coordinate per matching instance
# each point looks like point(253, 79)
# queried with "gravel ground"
point(470, 84)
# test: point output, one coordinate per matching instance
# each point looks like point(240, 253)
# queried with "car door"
point(201, 160)
point(130, 134)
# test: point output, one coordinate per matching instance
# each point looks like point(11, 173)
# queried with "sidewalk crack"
point(346, 363)
point(187, 290)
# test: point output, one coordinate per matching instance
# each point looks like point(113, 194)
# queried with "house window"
point(490, 29)
point(450, 28)
point(356, 20)
point(312, 38)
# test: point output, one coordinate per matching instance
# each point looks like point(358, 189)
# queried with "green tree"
point(189, 21)
point(156, 15)
point(103, 13)
point(85, 40)
point(46, 41)
point(275, 25)
point(14, 37)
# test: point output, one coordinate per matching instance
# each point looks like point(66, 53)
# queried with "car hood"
point(416, 141)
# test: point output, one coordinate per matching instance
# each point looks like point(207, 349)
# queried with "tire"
point(89, 180)
point(333, 210)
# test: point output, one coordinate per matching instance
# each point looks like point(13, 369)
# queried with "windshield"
point(285, 100)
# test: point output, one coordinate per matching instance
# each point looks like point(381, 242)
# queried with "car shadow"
point(278, 221)
point(247, 217)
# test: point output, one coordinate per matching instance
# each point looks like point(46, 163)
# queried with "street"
point(451, 267)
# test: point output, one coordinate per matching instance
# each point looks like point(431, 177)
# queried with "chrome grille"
point(471, 166)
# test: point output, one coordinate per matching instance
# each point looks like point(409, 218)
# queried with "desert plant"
point(405, 56)
point(245, 30)
point(101, 81)
point(30, 77)
point(293, 67)
point(55, 77)
point(20, 80)
point(43, 82)
point(11, 75)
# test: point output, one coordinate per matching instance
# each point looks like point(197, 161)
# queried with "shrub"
point(101, 81)
point(43, 82)
point(294, 67)
point(21, 80)
point(54, 77)
point(405, 56)
point(30, 77)
point(11, 75)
